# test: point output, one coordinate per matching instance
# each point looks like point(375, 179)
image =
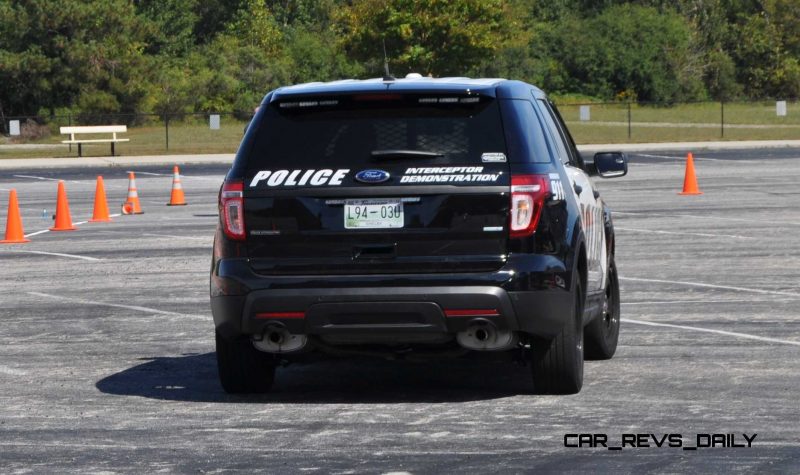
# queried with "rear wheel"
point(602, 333)
point(242, 368)
point(557, 364)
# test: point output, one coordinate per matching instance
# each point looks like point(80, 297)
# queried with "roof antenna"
point(387, 76)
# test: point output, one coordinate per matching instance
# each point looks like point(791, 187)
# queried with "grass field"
point(608, 124)
point(151, 139)
point(684, 122)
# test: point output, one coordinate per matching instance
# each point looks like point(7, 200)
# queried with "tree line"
point(185, 56)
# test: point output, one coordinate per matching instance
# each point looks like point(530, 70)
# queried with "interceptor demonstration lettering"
point(447, 175)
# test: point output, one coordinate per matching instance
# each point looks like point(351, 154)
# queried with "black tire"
point(557, 363)
point(242, 368)
point(602, 333)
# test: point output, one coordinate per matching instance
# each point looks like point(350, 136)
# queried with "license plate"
point(373, 214)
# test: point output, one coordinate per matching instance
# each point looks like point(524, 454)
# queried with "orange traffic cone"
point(131, 204)
point(100, 204)
point(63, 217)
point(690, 179)
point(176, 198)
point(14, 232)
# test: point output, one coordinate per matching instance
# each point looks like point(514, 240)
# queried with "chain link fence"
point(620, 122)
point(595, 122)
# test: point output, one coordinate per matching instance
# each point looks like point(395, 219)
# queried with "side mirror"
point(610, 164)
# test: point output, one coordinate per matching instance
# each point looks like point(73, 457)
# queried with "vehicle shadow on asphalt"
point(193, 378)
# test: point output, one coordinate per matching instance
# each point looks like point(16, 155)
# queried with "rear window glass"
point(344, 131)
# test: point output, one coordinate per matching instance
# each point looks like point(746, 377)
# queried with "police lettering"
point(299, 177)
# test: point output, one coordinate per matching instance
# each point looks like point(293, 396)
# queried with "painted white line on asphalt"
point(36, 233)
point(115, 305)
point(709, 330)
point(651, 231)
point(674, 157)
point(11, 371)
point(713, 286)
point(204, 238)
point(151, 174)
point(59, 254)
point(194, 177)
point(42, 178)
point(35, 177)
point(669, 302)
point(649, 155)
point(195, 217)
point(718, 218)
point(38, 444)
point(201, 177)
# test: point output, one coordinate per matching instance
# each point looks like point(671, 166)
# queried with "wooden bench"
point(94, 129)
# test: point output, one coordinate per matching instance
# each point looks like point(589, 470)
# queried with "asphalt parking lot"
point(107, 357)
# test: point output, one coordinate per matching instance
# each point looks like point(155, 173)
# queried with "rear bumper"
point(530, 294)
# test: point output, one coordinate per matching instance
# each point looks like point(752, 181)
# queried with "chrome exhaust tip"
point(483, 335)
point(277, 339)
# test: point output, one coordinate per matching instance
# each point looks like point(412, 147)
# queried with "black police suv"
point(413, 216)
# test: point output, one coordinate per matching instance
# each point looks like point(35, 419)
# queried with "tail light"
point(232, 203)
point(528, 194)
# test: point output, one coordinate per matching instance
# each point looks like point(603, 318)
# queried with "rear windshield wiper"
point(405, 154)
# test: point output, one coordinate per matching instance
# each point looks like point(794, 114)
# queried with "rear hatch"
point(377, 183)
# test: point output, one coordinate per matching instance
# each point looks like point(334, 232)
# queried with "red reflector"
point(491, 312)
point(281, 315)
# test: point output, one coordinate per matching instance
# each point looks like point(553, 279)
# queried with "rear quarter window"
point(524, 134)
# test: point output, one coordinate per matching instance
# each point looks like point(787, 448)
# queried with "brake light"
point(377, 97)
point(232, 203)
point(270, 315)
point(475, 312)
point(528, 194)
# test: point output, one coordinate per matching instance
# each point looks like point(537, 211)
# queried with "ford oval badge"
point(372, 176)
